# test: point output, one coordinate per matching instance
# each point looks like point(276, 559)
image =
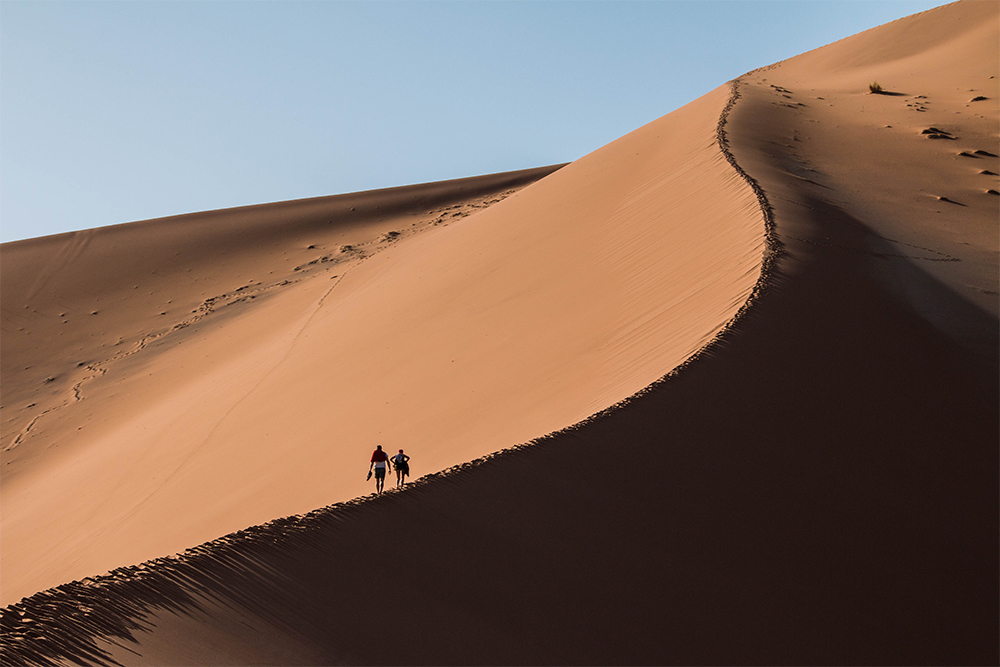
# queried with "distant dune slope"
point(122, 345)
point(817, 486)
point(268, 388)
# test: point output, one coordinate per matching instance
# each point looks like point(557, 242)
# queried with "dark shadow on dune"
point(63, 623)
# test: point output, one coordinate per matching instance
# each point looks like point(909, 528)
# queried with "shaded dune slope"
point(816, 485)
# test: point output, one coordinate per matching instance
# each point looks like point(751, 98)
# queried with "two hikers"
point(380, 463)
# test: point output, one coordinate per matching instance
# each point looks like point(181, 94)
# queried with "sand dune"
point(519, 320)
point(813, 478)
point(124, 347)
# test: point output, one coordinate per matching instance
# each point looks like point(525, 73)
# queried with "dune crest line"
point(64, 622)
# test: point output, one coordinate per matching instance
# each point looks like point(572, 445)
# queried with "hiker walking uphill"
point(380, 461)
point(401, 461)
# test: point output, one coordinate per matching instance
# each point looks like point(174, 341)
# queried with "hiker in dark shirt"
point(401, 461)
point(380, 461)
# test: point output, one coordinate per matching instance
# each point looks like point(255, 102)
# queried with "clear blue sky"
point(118, 111)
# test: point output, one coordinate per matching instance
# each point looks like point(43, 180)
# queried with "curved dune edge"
point(564, 298)
point(66, 620)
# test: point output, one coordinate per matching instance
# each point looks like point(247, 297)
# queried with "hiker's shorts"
point(379, 473)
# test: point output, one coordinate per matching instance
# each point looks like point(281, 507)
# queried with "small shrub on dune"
point(876, 88)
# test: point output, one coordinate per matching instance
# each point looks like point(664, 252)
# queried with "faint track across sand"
point(98, 369)
point(352, 255)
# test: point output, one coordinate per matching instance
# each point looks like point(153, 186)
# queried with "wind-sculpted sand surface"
point(528, 316)
point(809, 476)
point(126, 347)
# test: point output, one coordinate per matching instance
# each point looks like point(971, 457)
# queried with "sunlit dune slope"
point(463, 339)
point(917, 164)
point(122, 345)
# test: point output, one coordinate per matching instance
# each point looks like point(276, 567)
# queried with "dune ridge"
point(816, 485)
point(465, 338)
point(113, 607)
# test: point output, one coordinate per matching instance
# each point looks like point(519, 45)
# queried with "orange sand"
point(522, 319)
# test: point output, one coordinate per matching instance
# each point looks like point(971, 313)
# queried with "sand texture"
point(724, 391)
